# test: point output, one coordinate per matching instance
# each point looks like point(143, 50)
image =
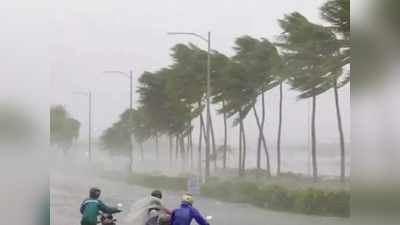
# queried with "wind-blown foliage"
point(306, 48)
point(264, 67)
point(63, 129)
point(116, 139)
point(311, 58)
point(337, 13)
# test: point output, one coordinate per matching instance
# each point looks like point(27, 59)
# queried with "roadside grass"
point(289, 192)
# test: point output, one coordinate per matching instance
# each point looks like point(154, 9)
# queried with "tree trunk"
point(176, 147)
point(259, 141)
point(141, 151)
point(190, 145)
point(199, 156)
point(157, 147)
point(170, 149)
point(214, 149)
point(261, 130)
point(183, 151)
point(313, 139)
point(130, 154)
point(258, 152)
point(263, 112)
point(187, 151)
point(341, 135)
point(207, 143)
point(191, 150)
point(244, 148)
point(263, 142)
point(278, 144)
point(225, 137)
point(240, 151)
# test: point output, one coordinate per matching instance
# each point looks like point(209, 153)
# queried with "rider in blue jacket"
point(186, 213)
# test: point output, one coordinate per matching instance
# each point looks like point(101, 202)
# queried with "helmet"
point(94, 192)
point(188, 198)
point(157, 194)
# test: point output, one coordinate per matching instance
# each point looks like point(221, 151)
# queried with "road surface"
point(67, 192)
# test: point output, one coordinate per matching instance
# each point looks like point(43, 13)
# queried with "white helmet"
point(188, 198)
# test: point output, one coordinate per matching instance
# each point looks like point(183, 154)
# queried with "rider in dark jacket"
point(91, 207)
point(186, 213)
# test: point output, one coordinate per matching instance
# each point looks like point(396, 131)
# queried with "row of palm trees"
point(64, 129)
point(311, 58)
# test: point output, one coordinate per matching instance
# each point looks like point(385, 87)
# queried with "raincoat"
point(141, 211)
point(90, 210)
point(185, 214)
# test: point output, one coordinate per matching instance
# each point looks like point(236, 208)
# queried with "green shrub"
point(218, 190)
point(308, 201)
point(279, 198)
point(338, 203)
point(246, 192)
point(272, 196)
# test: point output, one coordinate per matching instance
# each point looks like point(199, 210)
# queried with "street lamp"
point(208, 93)
point(89, 95)
point(130, 76)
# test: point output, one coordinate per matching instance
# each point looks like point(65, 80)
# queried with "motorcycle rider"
point(157, 213)
point(157, 199)
point(149, 210)
point(186, 213)
point(91, 207)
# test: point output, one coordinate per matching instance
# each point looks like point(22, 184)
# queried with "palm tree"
point(63, 129)
point(239, 97)
point(219, 62)
point(278, 142)
point(169, 97)
point(337, 13)
point(261, 60)
point(333, 67)
point(189, 82)
point(140, 129)
point(306, 48)
point(281, 75)
point(117, 138)
point(164, 111)
point(151, 99)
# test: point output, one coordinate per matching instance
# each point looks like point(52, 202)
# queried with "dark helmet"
point(94, 192)
point(157, 194)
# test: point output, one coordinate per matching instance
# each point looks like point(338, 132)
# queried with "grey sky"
point(76, 40)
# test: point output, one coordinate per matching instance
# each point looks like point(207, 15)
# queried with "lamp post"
point(88, 94)
point(208, 93)
point(128, 75)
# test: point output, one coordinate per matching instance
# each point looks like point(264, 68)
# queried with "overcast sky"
point(73, 42)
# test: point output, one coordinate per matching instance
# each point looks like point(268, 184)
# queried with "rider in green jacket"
point(91, 207)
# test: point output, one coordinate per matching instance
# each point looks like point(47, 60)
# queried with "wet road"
point(67, 192)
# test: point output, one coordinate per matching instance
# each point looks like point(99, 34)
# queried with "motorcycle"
point(165, 220)
point(108, 218)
